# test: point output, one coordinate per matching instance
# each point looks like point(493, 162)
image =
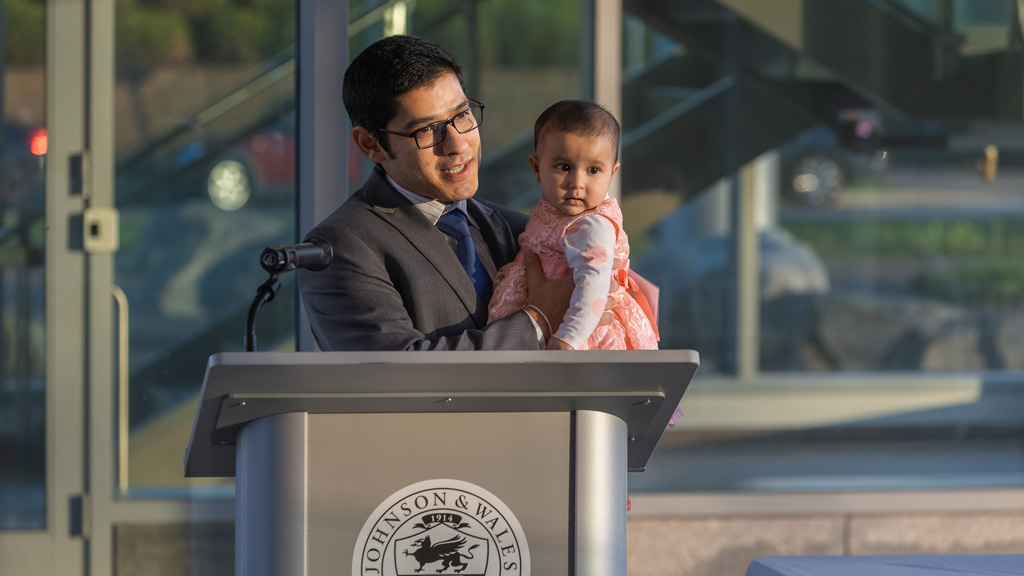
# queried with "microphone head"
point(314, 254)
point(273, 260)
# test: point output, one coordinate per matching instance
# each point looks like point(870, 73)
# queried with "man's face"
point(447, 172)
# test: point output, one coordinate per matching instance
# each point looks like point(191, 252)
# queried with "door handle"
point(122, 388)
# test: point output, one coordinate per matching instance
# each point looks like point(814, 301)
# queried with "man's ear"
point(535, 165)
point(369, 145)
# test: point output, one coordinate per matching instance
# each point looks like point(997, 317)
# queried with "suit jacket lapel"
point(500, 241)
point(396, 210)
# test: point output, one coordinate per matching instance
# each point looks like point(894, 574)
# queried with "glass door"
point(202, 179)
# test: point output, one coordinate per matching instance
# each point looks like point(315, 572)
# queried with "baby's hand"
point(556, 344)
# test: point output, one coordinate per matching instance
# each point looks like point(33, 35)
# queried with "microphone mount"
point(314, 254)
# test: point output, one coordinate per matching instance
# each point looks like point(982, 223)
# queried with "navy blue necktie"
point(454, 224)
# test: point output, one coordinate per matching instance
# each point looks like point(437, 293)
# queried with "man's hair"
point(580, 118)
point(386, 70)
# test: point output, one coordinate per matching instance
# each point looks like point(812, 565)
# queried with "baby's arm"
point(590, 251)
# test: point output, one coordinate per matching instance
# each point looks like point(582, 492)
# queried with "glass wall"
point(877, 148)
point(23, 142)
point(205, 179)
point(887, 229)
point(880, 179)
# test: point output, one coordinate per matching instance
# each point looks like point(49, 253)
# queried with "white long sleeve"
point(590, 252)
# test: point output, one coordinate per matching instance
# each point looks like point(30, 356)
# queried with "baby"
point(575, 228)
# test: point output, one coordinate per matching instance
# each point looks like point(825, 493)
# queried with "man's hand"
point(550, 296)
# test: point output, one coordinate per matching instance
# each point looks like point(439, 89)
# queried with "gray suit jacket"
point(395, 284)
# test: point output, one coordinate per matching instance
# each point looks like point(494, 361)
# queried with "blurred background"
point(830, 194)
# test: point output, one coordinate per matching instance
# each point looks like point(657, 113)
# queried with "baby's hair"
point(580, 118)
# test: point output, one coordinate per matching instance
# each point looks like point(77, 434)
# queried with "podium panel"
point(521, 459)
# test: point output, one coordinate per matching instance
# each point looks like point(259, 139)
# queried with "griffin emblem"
point(447, 552)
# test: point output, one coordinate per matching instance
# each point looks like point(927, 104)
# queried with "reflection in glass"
point(23, 142)
point(887, 147)
point(205, 145)
point(879, 147)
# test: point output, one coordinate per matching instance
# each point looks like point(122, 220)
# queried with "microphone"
point(313, 254)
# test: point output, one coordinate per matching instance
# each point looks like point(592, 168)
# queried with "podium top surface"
point(642, 388)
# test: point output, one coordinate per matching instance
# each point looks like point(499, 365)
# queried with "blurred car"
point(231, 169)
point(821, 162)
point(22, 172)
point(261, 163)
point(23, 141)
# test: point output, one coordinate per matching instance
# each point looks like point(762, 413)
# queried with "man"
point(396, 281)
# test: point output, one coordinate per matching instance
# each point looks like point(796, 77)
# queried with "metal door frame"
point(105, 334)
point(60, 547)
point(323, 53)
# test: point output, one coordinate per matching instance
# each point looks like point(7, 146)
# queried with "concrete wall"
point(725, 546)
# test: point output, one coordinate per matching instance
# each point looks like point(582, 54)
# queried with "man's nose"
point(454, 143)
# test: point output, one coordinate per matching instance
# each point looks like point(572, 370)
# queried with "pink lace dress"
point(598, 254)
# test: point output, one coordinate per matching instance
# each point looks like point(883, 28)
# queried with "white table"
point(934, 565)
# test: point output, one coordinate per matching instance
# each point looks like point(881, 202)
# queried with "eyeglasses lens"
point(465, 122)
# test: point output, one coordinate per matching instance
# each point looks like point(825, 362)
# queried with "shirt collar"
point(432, 209)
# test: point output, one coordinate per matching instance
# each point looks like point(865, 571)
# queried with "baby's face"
point(574, 171)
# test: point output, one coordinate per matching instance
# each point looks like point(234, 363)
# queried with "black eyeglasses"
point(433, 134)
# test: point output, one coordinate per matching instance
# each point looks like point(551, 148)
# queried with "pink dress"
point(599, 253)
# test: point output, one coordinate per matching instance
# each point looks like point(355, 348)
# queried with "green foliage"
point(981, 258)
point(25, 31)
point(167, 32)
point(513, 33)
point(995, 284)
point(531, 33)
point(433, 20)
point(912, 238)
point(150, 33)
point(149, 36)
point(245, 32)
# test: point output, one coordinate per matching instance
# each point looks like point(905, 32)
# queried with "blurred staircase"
point(748, 78)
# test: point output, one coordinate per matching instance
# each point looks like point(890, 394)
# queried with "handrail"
point(713, 90)
point(373, 16)
point(285, 59)
point(906, 16)
point(1019, 10)
point(265, 75)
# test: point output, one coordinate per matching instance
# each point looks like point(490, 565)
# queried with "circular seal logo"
point(446, 527)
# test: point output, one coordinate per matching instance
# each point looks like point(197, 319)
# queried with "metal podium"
point(402, 463)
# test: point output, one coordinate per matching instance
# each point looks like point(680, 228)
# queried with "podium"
point(402, 463)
